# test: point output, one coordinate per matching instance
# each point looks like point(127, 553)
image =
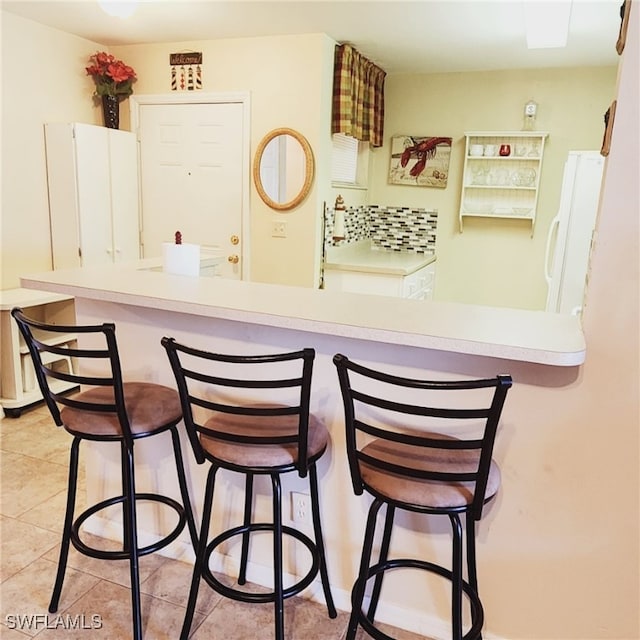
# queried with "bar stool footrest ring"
point(124, 554)
point(245, 596)
point(477, 612)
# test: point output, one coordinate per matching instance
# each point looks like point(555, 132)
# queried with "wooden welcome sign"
point(186, 71)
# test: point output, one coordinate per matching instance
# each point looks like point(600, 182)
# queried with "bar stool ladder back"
point(107, 409)
point(249, 414)
point(425, 447)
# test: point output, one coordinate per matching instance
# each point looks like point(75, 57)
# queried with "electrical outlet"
point(300, 507)
point(279, 229)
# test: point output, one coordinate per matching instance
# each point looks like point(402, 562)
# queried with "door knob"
point(234, 259)
point(235, 240)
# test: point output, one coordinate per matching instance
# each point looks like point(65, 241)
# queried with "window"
point(349, 161)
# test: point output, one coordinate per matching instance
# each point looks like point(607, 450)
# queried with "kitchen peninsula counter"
point(413, 338)
point(511, 334)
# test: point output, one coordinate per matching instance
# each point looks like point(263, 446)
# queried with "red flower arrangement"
point(112, 77)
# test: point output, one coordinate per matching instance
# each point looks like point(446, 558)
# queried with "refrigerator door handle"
point(555, 223)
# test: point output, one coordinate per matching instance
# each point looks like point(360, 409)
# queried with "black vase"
point(111, 111)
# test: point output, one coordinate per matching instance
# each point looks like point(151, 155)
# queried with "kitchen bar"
point(512, 334)
point(410, 337)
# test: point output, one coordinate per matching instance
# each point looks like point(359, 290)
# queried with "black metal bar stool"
point(422, 446)
point(250, 414)
point(106, 410)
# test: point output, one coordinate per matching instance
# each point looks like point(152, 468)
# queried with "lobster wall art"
point(420, 161)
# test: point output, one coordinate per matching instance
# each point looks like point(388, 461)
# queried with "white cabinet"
point(417, 285)
point(93, 194)
point(501, 174)
point(420, 285)
point(18, 384)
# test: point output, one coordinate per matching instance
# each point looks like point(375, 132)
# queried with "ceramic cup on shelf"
point(521, 150)
point(490, 150)
point(476, 150)
point(505, 150)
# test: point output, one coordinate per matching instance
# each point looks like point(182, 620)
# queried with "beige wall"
point(492, 262)
point(286, 76)
point(287, 89)
point(289, 78)
point(559, 551)
point(43, 80)
point(564, 560)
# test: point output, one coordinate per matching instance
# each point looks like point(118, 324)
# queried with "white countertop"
point(10, 298)
point(359, 256)
point(528, 336)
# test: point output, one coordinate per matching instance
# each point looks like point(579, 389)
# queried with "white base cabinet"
point(93, 194)
point(18, 384)
point(418, 285)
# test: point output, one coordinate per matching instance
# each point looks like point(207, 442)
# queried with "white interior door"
point(191, 167)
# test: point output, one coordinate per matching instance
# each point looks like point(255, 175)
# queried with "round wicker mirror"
point(283, 169)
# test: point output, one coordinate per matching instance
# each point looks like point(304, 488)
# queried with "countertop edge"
point(189, 295)
point(361, 257)
point(380, 270)
point(23, 297)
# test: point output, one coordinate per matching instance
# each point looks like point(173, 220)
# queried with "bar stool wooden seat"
point(106, 410)
point(425, 447)
point(250, 414)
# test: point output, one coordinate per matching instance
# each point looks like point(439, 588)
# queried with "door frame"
point(195, 97)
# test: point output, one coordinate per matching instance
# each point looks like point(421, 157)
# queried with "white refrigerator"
point(570, 234)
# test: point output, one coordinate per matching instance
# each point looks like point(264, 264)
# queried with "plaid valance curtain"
point(358, 96)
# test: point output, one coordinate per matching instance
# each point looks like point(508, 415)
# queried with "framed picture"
point(609, 117)
point(186, 71)
point(625, 9)
point(420, 161)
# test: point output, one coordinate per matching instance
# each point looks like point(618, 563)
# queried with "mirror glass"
point(283, 169)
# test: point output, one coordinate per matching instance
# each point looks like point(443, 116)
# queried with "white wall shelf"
point(501, 186)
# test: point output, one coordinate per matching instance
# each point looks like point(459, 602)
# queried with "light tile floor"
point(33, 468)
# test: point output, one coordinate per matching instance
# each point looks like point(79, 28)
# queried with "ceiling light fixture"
point(547, 23)
point(117, 8)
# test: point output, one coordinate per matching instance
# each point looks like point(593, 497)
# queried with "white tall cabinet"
point(93, 194)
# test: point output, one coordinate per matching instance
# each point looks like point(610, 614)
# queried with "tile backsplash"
point(356, 225)
point(388, 228)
